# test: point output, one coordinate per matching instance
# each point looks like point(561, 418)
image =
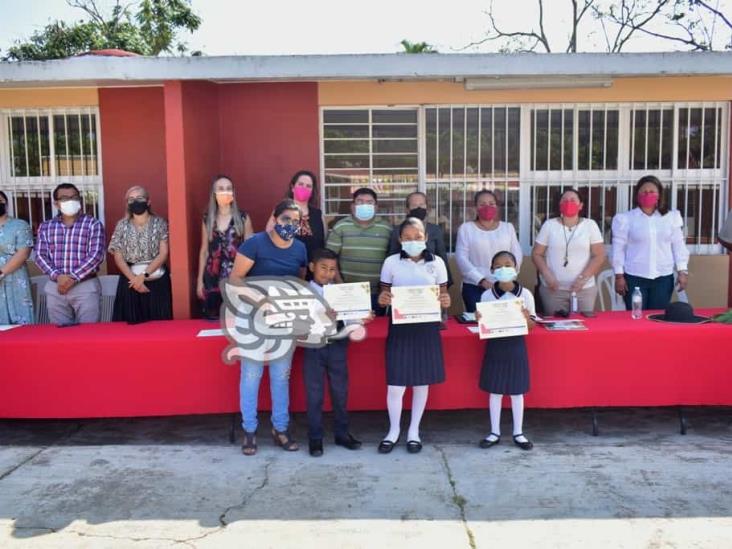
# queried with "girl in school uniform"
point(505, 368)
point(413, 351)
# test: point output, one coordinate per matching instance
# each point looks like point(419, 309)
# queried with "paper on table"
point(473, 329)
point(351, 301)
point(415, 304)
point(502, 318)
point(6, 327)
point(210, 333)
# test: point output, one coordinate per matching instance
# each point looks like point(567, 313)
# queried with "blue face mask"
point(365, 212)
point(505, 274)
point(286, 232)
point(413, 248)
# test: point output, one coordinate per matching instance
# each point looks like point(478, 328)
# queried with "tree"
point(689, 24)
point(151, 29)
point(417, 47)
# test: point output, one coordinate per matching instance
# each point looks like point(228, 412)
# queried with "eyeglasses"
point(136, 199)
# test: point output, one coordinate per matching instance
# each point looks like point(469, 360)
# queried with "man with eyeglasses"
point(69, 250)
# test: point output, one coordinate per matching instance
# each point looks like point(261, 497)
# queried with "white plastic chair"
point(38, 289)
point(109, 291)
point(606, 288)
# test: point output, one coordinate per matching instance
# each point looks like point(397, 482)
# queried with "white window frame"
point(623, 178)
point(44, 185)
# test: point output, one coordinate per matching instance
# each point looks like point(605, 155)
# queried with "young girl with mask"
point(478, 241)
point(413, 351)
point(505, 368)
point(224, 228)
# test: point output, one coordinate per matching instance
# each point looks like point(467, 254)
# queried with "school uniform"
point(329, 360)
point(414, 351)
point(505, 369)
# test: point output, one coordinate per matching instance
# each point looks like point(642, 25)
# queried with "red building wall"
point(268, 132)
point(174, 139)
point(133, 148)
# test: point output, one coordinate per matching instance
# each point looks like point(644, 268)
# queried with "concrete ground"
point(164, 482)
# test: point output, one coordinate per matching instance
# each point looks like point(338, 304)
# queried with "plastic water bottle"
point(637, 302)
point(574, 307)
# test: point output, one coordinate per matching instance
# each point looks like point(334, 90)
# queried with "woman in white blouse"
point(568, 253)
point(648, 243)
point(477, 242)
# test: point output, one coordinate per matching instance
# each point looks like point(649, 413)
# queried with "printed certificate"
point(502, 318)
point(415, 304)
point(349, 301)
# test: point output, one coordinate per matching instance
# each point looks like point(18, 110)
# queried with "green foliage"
point(417, 47)
point(151, 30)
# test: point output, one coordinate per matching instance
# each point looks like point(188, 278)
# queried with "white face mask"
point(70, 207)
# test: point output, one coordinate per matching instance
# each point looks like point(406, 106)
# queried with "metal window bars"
point(40, 148)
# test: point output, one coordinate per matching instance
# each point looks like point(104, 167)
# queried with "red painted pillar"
point(729, 203)
point(177, 200)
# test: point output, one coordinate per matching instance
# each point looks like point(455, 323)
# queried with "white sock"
point(495, 402)
point(394, 396)
point(419, 403)
point(517, 408)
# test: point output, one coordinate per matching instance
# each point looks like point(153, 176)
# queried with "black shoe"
point(386, 446)
point(316, 447)
point(348, 442)
point(528, 445)
point(414, 446)
point(487, 443)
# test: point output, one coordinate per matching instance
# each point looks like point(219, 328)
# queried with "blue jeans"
point(656, 291)
point(279, 387)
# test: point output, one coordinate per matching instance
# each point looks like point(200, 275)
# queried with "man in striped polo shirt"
point(361, 242)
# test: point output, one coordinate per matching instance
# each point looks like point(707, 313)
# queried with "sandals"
point(528, 445)
point(284, 440)
point(487, 443)
point(249, 448)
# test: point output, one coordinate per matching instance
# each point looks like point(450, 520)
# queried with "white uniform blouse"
point(398, 271)
point(476, 247)
point(648, 246)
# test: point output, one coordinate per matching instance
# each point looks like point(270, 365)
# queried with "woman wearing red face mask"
point(477, 242)
point(224, 228)
point(568, 253)
point(648, 244)
point(303, 190)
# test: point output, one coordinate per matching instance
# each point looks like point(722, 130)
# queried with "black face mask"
point(419, 213)
point(3, 209)
point(137, 208)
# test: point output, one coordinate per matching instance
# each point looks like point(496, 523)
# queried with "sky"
point(281, 27)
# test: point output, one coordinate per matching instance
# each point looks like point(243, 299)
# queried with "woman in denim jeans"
point(273, 253)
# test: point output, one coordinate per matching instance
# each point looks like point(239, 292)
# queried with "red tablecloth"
point(163, 368)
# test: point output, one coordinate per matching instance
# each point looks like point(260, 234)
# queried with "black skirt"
point(505, 368)
point(133, 307)
point(414, 355)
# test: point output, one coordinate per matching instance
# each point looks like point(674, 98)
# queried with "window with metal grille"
point(44, 147)
point(369, 147)
point(529, 154)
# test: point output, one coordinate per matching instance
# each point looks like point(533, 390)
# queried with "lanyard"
point(567, 241)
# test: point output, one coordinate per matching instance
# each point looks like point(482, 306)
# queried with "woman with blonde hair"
point(140, 248)
point(224, 228)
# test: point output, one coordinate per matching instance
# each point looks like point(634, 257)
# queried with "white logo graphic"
point(266, 318)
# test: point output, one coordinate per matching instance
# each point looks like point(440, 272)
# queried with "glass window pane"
point(347, 161)
point(514, 141)
point(458, 141)
point(683, 139)
point(359, 116)
point(540, 132)
point(555, 140)
point(486, 142)
point(568, 138)
point(346, 132)
point(431, 141)
point(499, 135)
point(395, 161)
point(346, 146)
point(473, 138)
point(394, 145)
point(394, 116)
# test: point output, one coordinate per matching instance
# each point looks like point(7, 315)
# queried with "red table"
point(163, 368)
